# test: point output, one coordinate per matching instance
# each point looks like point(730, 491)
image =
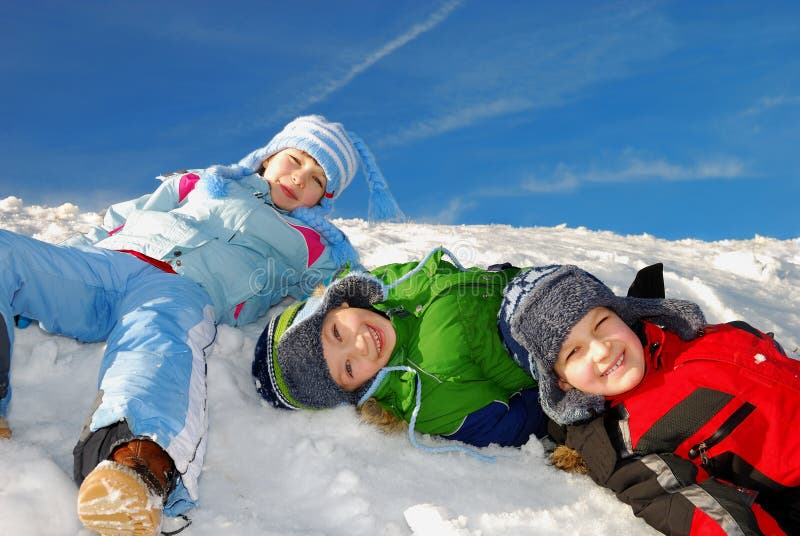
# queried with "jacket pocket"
point(726, 428)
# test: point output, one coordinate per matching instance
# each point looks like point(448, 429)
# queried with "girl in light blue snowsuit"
point(243, 236)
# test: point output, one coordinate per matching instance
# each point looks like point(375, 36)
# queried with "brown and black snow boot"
point(5, 429)
point(125, 495)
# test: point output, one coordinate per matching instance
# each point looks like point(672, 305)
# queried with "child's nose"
point(600, 350)
point(366, 345)
point(362, 346)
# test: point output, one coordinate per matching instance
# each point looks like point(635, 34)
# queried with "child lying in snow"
point(698, 426)
point(243, 237)
point(420, 338)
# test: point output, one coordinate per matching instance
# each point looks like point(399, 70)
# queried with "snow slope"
point(270, 472)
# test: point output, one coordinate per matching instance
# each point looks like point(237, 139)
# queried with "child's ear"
point(263, 167)
point(564, 385)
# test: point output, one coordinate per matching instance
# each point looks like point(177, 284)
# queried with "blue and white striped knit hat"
point(339, 152)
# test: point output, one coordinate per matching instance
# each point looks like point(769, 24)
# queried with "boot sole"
point(114, 501)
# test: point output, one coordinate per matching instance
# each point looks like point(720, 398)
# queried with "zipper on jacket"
point(722, 432)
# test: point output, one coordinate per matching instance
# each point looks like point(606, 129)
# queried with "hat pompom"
point(233, 171)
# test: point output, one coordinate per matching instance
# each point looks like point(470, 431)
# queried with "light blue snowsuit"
point(238, 255)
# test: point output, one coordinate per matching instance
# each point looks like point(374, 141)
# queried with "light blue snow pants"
point(157, 327)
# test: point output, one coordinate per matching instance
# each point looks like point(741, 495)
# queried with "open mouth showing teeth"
point(615, 366)
point(377, 338)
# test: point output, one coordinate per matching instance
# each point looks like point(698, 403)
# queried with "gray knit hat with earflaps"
point(541, 306)
point(289, 366)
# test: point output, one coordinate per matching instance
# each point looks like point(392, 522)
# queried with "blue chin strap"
point(412, 423)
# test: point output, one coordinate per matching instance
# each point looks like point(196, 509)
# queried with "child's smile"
point(615, 366)
point(378, 337)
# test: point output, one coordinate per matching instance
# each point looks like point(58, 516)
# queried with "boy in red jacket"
point(696, 427)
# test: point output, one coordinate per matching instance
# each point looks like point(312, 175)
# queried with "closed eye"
point(599, 323)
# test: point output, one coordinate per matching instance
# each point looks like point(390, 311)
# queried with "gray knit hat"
point(289, 367)
point(541, 306)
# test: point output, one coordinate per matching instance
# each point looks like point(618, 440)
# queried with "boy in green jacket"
point(420, 338)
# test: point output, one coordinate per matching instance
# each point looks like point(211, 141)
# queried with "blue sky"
point(676, 119)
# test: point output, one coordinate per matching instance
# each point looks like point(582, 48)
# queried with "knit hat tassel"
point(382, 204)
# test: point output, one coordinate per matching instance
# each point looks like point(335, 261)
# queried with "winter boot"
point(125, 495)
point(5, 429)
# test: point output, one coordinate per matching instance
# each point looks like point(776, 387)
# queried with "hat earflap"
point(568, 407)
point(382, 204)
point(682, 317)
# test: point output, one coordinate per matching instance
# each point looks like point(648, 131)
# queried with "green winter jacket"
point(446, 323)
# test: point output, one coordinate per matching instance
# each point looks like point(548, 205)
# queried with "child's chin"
point(288, 207)
point(630, 381)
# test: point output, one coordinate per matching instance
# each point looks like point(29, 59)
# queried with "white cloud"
point(633, 169)
point(564, 181)
point(767, 103)
point(637, 170)
point(458, 119)
point(450, 214)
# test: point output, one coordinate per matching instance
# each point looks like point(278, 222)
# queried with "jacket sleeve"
point(509, 424)
point(663, 489)
point(165, 198)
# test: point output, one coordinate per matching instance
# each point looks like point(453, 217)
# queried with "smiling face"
point(601, 355)
point(295, 179)
point(356, 343)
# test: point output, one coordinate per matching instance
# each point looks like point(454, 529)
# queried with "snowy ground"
point(270, 472)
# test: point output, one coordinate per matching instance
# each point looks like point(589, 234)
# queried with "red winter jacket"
point(709, 440)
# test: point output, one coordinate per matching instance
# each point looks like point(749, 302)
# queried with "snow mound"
point(278, 473)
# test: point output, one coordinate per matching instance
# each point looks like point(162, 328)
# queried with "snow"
point(271, 472)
